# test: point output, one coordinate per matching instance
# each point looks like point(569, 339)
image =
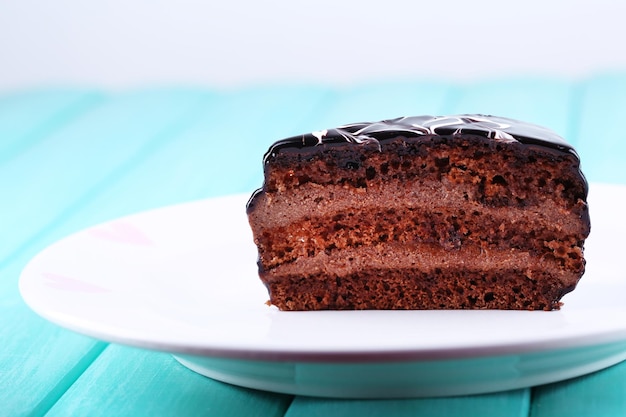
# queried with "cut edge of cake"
point(450, 212)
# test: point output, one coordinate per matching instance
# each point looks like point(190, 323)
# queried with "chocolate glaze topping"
point(497, 128)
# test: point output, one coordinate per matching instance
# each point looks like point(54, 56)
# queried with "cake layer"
point(310, 237)
point(334, 218)
point(313, 200)
point(493, 172)
point(419, 277)
point(416, 289)
point(425, 257)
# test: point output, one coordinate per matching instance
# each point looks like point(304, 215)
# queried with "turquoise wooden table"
point(70, 158)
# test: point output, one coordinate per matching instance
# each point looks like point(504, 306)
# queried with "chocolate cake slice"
point(454, 212)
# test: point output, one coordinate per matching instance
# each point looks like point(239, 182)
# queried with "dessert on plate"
point(450, 212)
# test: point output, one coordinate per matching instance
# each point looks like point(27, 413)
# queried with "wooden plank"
point(601, 394)
point(130, 382)
point(38, 360)
point(506, 404)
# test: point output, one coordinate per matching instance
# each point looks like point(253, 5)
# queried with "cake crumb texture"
point(465, 220)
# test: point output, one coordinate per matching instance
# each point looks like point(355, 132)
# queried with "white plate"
point(183, 279)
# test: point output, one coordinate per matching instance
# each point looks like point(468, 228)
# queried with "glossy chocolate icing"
point(497, 128)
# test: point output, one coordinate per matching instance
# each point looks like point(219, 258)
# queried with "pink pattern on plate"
point(63, 282)
point(122, 232)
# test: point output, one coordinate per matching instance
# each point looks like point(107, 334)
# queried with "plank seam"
point(55, 394)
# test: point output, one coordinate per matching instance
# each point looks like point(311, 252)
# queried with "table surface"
point(73, 157)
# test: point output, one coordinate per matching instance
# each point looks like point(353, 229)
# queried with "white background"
point(125, 43)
